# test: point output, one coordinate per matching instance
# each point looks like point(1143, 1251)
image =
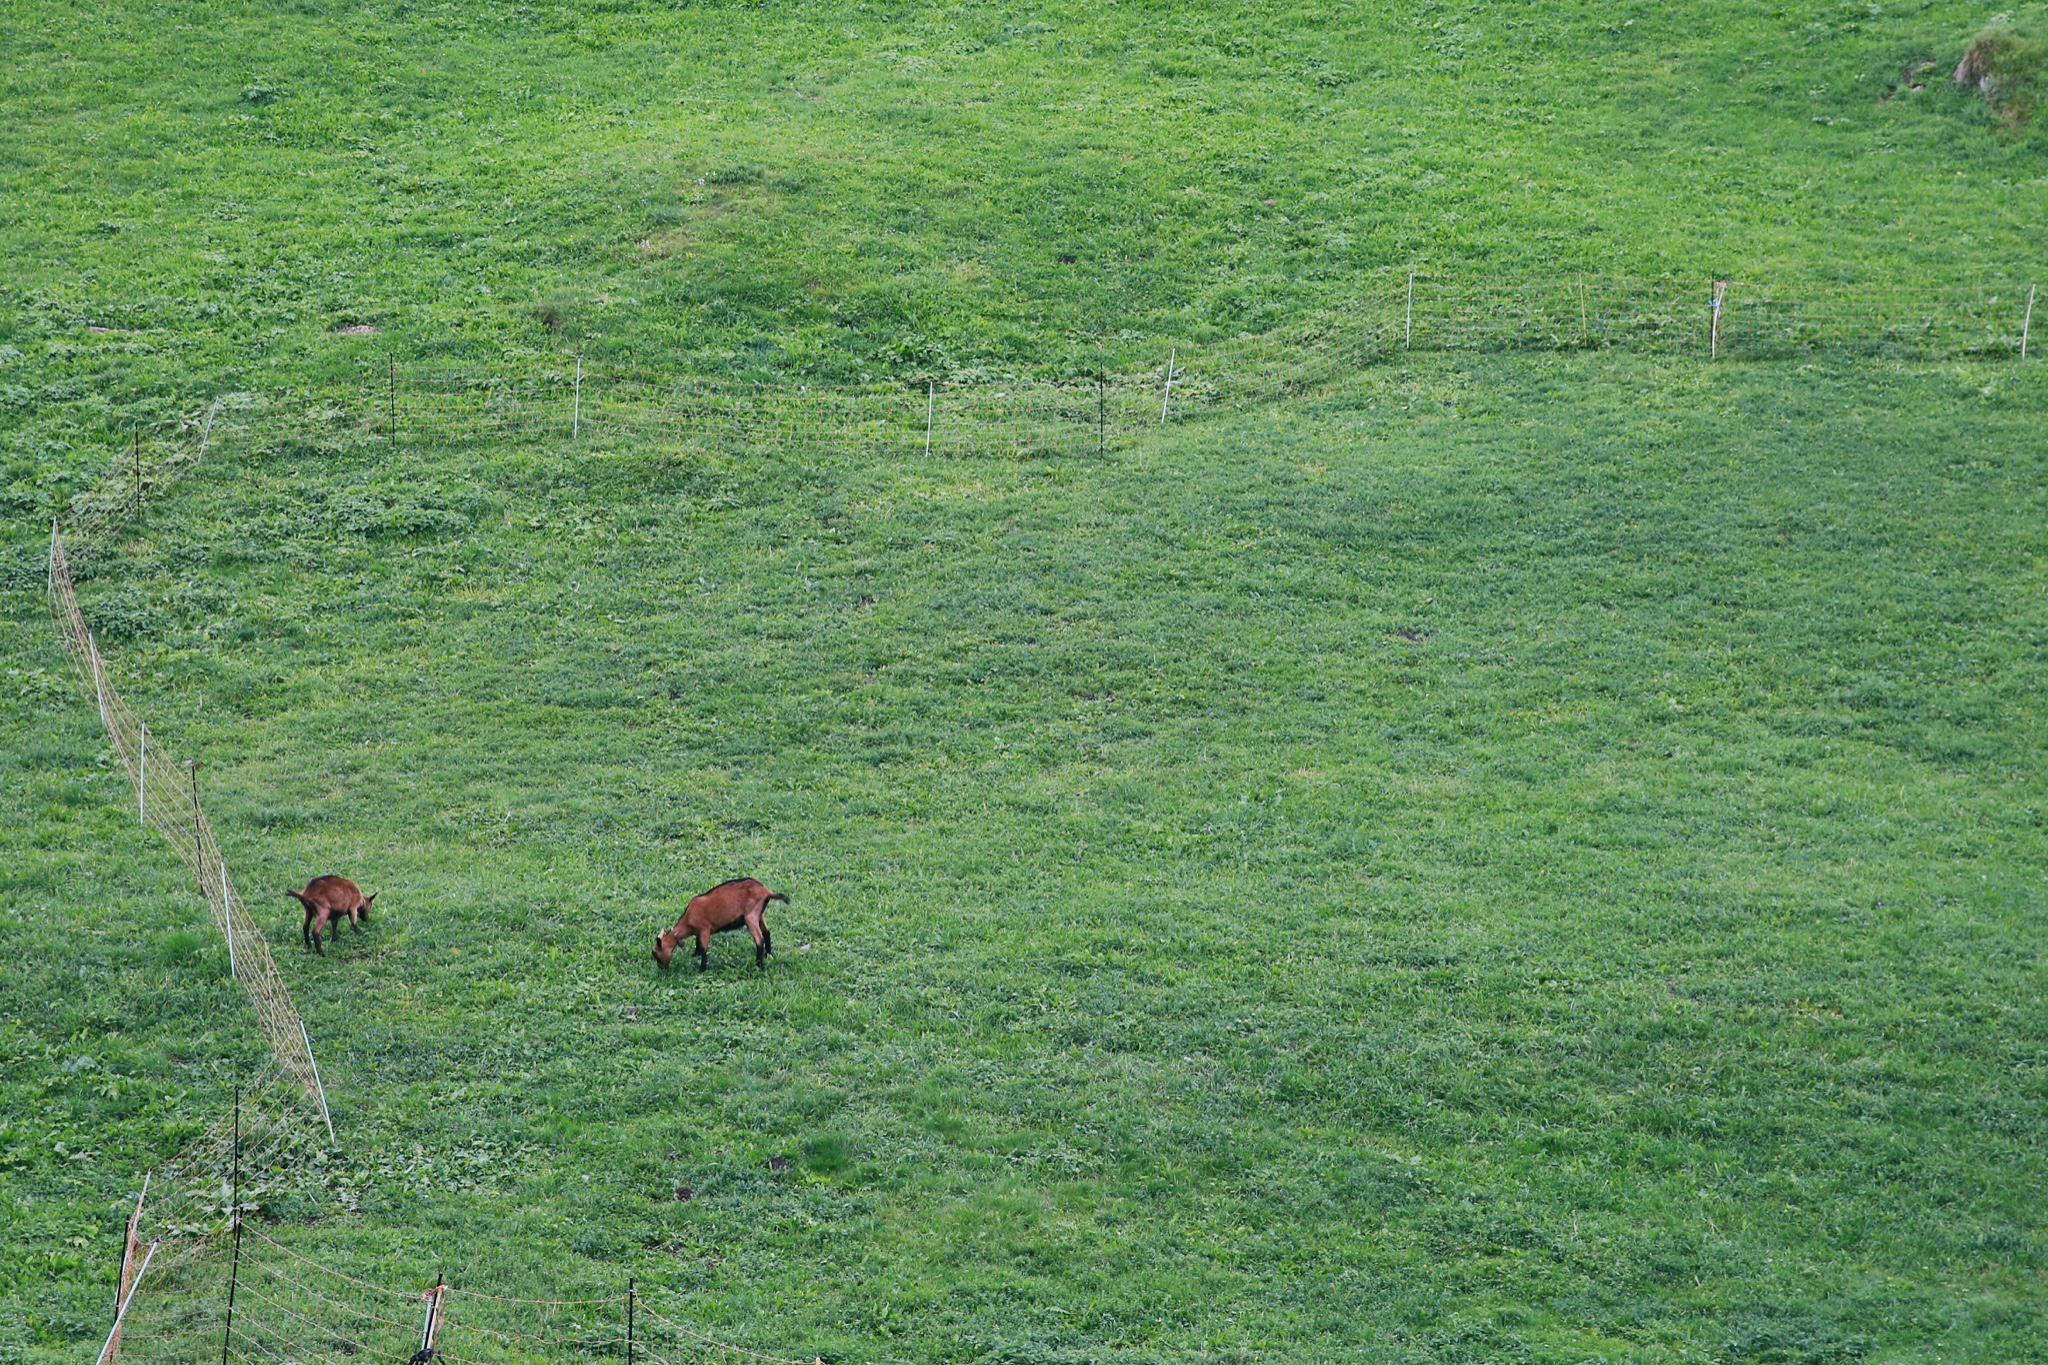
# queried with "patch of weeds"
point(2005, 64)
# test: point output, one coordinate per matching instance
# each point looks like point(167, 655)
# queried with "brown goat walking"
point(725, 906)
point(330, 900)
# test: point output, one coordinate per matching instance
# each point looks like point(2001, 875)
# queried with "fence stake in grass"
point(115, 1334)
point(1714, 327)
point(430, 1329)
point(113, 1352)
point(930, 397)
point(325, 1117)
point(391, 420)
point(1172, 354)
point(1101, 414)
point(138, 470)
point(1408, 327)
point(142, 779)
point(629, 1320)
point(576, 411)
point(235, 1216)
point(2027, 323)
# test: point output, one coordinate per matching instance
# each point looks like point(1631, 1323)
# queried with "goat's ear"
point(372, 896)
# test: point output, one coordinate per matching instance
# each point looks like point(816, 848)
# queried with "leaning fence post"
point(127, 1267)
point(576, 412)
point(115, 1334)
point(2027, 323)
point(1408, 327)
point(1714, 327)
point(312, 1062)
point(142, 778)
point(1173, 354)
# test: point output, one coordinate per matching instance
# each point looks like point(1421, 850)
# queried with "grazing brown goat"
point(330, 900)
point(725, 906)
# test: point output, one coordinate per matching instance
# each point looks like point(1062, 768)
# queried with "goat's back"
point(334, 893)
point(726, 903)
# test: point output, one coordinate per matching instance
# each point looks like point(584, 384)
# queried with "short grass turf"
point(826, 191)
point(1511, 859)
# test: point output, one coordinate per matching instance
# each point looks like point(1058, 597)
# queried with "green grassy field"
point(1506, 858)
point(1641, 961)
point(835, 190)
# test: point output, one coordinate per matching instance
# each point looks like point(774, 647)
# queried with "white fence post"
point(113, 1335)
point(317, 1085)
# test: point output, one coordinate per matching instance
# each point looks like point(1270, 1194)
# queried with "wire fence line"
point(1107, 394)
point(264, 1303)
point(965, 413)
point(167, 800)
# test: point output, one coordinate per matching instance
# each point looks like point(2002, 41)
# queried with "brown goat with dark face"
point(330, 900)
point(725, 906)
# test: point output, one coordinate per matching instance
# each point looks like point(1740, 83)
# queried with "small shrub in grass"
point(2005, 65)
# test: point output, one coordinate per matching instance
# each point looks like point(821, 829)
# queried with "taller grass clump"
point(2005, 63)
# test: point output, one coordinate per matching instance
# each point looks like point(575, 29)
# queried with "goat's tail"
point(775, 896)
point(301, 898)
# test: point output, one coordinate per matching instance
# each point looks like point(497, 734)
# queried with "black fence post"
point(235, 1214)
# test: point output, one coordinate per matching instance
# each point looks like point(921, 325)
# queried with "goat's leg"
point(319, 926)
point(703, 948)
point(760, 934)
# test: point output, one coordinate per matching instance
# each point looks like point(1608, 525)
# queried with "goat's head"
point(664, 947)
point(364, 908)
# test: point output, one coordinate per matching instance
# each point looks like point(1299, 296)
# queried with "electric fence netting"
point(265, 1303)
point(973, 415)
point(167, 800)
point(189, 1289)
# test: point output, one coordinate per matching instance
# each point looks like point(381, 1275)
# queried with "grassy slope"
point(901, 182)
point(1693, 849)
point(1645, 961)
